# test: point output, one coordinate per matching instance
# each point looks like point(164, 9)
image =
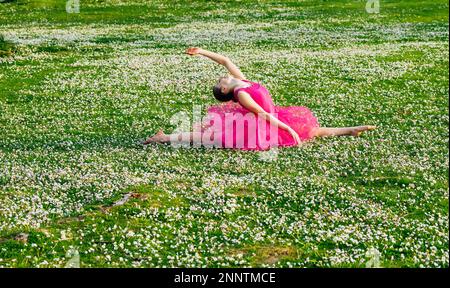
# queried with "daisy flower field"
point(82, 83)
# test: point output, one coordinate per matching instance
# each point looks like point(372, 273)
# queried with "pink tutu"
point(230, 125)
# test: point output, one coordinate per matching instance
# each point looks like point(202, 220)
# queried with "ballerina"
point(256, 123)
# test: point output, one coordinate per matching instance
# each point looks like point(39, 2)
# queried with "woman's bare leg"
point(182, 137)
point(342, 131)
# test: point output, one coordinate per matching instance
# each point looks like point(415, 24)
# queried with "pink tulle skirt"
point(229, 125)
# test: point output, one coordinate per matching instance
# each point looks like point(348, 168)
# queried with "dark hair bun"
point(222, 97)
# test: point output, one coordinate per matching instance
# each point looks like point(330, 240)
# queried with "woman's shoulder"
point(243, 89)
point(249, 81)
point(253, 84)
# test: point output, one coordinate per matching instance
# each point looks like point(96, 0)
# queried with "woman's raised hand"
point(193, 51)
point(295, 136)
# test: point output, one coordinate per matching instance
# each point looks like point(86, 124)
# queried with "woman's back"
point(259, 94)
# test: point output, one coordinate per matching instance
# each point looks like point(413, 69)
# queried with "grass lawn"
point(78, 91)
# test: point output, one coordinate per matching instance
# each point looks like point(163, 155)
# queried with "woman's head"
point(223, 90)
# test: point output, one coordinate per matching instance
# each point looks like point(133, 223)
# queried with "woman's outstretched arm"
point(222, 60)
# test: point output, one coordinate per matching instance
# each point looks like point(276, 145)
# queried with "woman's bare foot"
point(159, 137)
point(358, 130)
